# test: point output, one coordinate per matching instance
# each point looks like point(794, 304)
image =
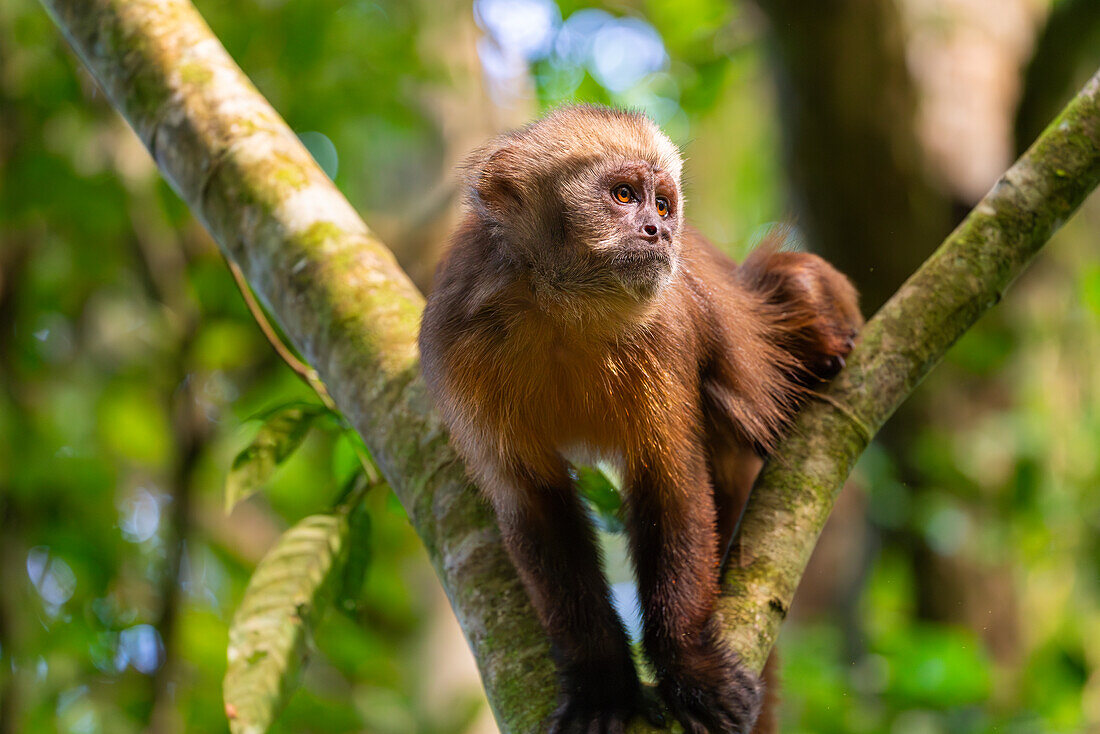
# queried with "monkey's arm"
point(552, 545)
point(675, 547)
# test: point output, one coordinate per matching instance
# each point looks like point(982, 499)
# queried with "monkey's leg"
point(675, 547)
point(551, 542)
point(733, 464)
point(818, 313)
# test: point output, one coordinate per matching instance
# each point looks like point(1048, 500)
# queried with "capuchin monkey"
point(577, 316)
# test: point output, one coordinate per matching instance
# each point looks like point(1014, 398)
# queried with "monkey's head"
point(588, 199)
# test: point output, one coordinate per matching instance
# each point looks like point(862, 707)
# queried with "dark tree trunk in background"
point(1066, 52)
point(861, 194)
point(847, 104)
point(13, 261)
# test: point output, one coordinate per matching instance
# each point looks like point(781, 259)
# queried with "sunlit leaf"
point(289, 592)
point(282, 432)
point(596, 487)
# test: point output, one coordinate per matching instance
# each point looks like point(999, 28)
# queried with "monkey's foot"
point(596, 711)
point(575, 719)
point(827, 362)
point(717, 697)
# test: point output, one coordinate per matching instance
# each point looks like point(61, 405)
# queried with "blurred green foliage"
point(129, 367)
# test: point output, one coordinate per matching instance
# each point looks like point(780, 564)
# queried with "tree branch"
point(966, 276)
point(353, 314)
point(336, 291)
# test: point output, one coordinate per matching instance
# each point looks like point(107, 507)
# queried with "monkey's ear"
point(496, 184)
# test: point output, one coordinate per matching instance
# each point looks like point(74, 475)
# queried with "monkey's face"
point(630, 225)
point(587, 201)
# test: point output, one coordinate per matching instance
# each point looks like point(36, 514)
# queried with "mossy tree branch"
point(965, 277)
point(353, 314)
point(335, 289)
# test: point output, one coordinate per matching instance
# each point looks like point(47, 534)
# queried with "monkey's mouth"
point(642, 257)
point(644, 269)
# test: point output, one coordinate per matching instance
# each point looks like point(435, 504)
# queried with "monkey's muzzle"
point(644, 269)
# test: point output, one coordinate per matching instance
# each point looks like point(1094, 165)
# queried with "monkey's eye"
point(662, 206)
point(623, 194)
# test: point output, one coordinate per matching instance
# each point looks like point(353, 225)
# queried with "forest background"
point(957, 587)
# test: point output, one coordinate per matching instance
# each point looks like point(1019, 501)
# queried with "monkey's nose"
point(650, 229)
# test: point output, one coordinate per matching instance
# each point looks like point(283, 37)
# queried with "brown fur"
point(563, 322)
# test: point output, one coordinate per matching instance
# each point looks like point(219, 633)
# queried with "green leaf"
point(596, 487)
point(355, 568)
point(351, 457)
point(282, 433)
point(289, 592)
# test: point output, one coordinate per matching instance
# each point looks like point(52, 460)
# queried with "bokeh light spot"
point(139, 515)
point(624, 51)
point(141, 648)
point(52, 577)
point(523, 28)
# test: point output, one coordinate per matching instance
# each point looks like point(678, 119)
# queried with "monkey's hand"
point(710, 692)
point(592, 702)
point(816, 308)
